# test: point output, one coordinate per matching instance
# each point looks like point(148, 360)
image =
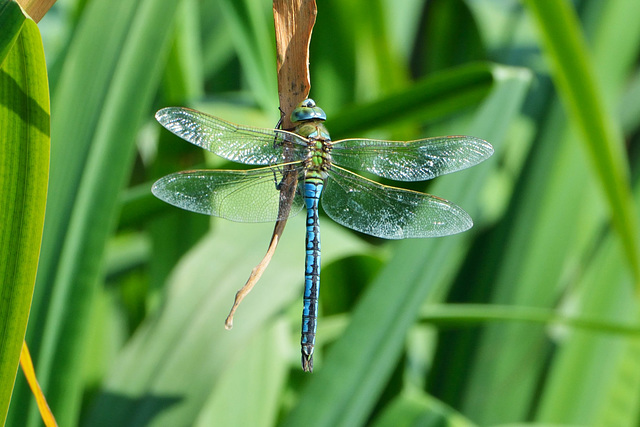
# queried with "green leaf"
point(603, 369)
point(471, 314)
point(251, 382)
point(574, 76)
point(433, 98)
point(191, 363)
point(419, 409)
point(554, 224)
point(11, 21)
point(110, 74)
point(251, 26)
point(24, 167)
point(602, 366)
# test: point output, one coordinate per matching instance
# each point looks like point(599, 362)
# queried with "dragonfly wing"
point(389, 212)
point(242, 144)
point(243, 196)
point(412, 160)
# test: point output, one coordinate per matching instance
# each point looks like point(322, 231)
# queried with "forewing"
point(242, 196)
point(412, 160)
point(242, 144)
point(389, 212)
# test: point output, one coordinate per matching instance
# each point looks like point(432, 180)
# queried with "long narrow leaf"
point(100, 102)
point(24, 165)
point(189, 356)
point(575, 79)
point(30, 374)
point(554, 218)
point(433, 98)
point(11, 21)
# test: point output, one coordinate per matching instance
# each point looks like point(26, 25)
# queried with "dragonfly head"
point(307, 110)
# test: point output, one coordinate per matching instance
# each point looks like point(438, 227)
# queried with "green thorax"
point(309, 120)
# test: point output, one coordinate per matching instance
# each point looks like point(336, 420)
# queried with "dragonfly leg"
point(277, 182)
point(278, 126)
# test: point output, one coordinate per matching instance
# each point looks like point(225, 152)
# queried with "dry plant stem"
point(294, 20)
point(256, 273)
point(36, 8)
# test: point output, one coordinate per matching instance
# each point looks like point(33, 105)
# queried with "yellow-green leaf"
point(24, 169)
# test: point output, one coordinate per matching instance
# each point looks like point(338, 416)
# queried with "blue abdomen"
point(312, 191)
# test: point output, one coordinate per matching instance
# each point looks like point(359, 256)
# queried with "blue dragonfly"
point(320, 169)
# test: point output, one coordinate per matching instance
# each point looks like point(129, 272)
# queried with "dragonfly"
point(321, 170)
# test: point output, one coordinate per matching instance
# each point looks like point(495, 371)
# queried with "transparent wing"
point(389, 212)
point(412, 160)
point(242, 144)
point(242, 196)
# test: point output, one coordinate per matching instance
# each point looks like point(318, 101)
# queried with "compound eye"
point(307, 110)
point(308, 103)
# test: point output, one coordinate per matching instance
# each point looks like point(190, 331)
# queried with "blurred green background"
point(530, 317)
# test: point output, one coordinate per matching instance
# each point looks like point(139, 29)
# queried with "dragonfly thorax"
point(318, 157)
